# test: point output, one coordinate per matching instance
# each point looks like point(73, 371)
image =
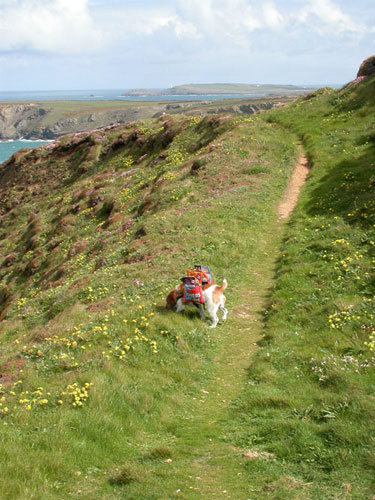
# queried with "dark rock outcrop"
point(367, 68)
point(33, 121)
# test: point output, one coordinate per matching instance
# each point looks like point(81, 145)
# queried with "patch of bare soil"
point(291, 194)
point(253, 455)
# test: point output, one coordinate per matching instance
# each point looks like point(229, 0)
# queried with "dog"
point(213, 298)
point(176, 293)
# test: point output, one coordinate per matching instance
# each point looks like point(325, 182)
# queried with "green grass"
point(310, 397)
point(91, 309)
point(110, 395)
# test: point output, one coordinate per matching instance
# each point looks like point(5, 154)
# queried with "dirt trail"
point(291, 194)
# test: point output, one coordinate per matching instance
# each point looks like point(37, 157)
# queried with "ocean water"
point(7, 148)
point(107, 94)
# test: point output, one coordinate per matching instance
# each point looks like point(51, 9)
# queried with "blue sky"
point(78, 44)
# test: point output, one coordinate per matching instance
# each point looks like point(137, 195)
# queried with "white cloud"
point(221, 19)
point(86, 26)
point(185, 29)
point(156, 42)
point(329, 17)
point(59, 26)
point(272, 17)
point(234, 21)
point(124, 23)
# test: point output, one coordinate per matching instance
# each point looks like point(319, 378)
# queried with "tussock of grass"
point(159, 452)
point(125, 475)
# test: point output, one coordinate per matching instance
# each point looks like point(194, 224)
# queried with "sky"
point(123, 44)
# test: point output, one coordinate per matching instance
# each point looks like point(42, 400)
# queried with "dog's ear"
point(170, 302)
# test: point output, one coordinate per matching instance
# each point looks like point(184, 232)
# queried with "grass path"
point(216, 462)
point(288, 373)
point(216, 470)
point(213, 467)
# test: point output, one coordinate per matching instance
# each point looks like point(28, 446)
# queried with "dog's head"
point(174, 295)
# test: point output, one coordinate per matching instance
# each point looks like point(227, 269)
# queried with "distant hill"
point(224, 88)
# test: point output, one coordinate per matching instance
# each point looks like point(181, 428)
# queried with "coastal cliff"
point(44, 121)
point(49, 120)
point(15, 119)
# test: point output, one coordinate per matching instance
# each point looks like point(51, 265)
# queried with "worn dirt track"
point(291, 194)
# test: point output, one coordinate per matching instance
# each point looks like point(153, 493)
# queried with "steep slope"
point(95, 229)
point(51, 119)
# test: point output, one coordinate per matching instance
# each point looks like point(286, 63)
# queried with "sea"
point(7, 148)
point(108, 94)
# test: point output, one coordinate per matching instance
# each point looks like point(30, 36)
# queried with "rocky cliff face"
point(32, 121)
point(86, 122)
point(16, 119)
point(47, 121)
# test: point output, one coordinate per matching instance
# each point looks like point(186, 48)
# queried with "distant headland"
point(222, 88)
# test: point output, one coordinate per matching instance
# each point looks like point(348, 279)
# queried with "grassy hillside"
point(310, 398)
point(105, 394)
point(95, 231)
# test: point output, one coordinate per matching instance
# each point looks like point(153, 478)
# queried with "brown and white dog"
point(176, 293)
point(213, 296)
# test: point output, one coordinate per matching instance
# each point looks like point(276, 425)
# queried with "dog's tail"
point(224, 285)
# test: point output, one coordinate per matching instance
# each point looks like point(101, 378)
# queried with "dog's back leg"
point(224, 312)
point(212, 311)
point(215, 321)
